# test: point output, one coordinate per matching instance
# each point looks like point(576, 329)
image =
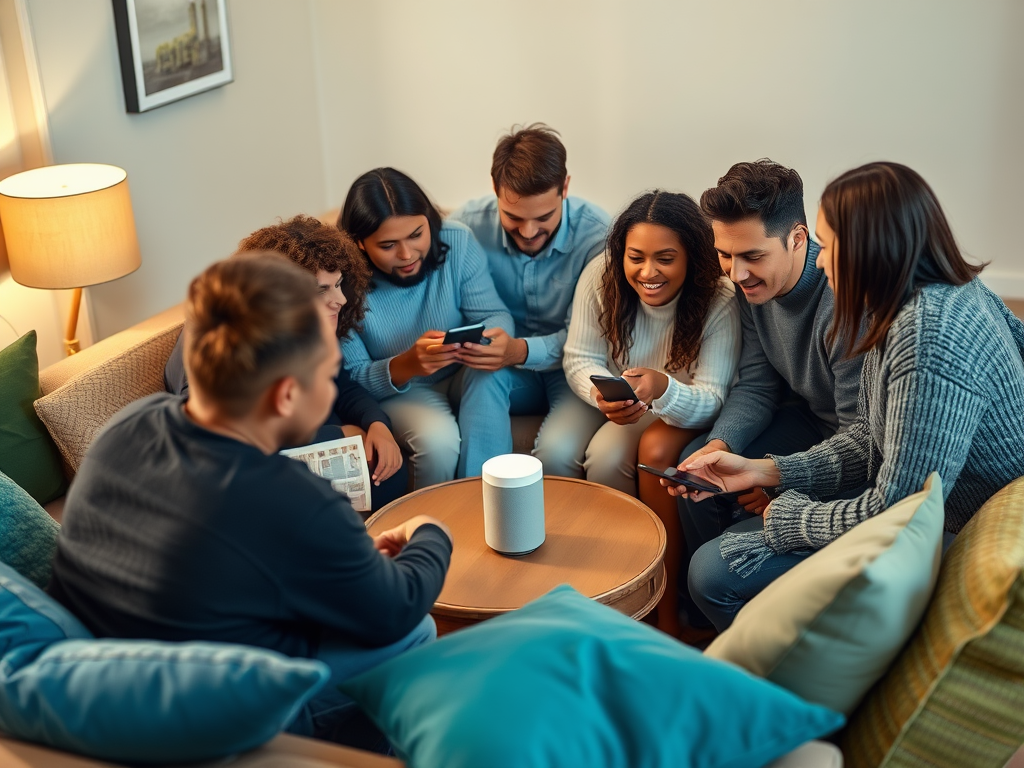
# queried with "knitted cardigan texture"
point(944, 392)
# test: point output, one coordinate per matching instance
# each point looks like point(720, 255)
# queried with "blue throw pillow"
point(28, 536)
point(137, 701)
point(566, 681)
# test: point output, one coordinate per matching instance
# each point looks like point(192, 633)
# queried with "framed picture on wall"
point(171, 49)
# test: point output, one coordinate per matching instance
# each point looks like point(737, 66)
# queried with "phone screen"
point(686, 479)
point(614, 388)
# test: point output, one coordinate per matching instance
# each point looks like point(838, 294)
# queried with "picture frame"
point(171, 49)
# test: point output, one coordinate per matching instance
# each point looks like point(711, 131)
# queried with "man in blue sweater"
point(185, 523)
point(794, 389)
point(538, 240)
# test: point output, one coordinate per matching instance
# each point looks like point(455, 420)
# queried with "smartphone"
point(474, 334)
point(685, 479)
point(614, 389)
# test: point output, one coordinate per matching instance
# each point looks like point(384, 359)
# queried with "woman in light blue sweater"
point(942, 389)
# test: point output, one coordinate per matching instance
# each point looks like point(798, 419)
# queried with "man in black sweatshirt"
point(185, 523)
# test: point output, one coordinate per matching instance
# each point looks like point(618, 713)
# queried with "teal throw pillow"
point(28, 536)
point(137, 701)
point(27, 453)
point(566, 681)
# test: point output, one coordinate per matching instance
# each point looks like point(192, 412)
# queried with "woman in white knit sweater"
point(656, 310)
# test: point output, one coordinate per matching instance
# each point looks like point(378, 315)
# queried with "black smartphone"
point(614, 389)
point(474, 334)
point(685, 479)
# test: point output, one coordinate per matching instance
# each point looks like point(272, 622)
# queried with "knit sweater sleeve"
point(480, 300)
point(696, 404)
point(753, 401)
point(586, 351)
point(930, 420)
point(373, 375)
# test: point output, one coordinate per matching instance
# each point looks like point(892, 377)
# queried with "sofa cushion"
point(955, 695)
point(28, 535)
point(829, 628)
point(137, 700)
point(76, 411)
point(567, 681)
point(27, 454)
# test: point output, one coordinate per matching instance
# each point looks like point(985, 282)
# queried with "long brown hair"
point(891, 238)
point(620, 302)
point(315, 246)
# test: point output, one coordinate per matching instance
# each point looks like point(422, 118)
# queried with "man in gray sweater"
point(794, 388)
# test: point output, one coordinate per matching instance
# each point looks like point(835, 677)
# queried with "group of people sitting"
point(815, 381)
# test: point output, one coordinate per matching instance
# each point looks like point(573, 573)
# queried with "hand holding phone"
point(473, 334)
point(614, 389)
point(689, 481)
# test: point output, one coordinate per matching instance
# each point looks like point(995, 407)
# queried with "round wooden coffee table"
point(606, 544)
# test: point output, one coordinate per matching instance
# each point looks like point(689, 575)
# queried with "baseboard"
point(1009, 285)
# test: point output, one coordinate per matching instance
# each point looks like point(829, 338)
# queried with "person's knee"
point(655, 451)
point(695, 445)
point(435, 437)
point(423, 633)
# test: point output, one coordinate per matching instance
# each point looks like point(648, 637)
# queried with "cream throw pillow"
point(75, 412)
point(828, 629)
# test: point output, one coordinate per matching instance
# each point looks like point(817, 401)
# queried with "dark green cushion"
point(28, 536)
point(27, 454)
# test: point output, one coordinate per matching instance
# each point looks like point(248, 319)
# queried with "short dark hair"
point(891, 238)
point(316, 246)
point(620, 302)
point(250, 320)
point(529, 161)
point(771, 192)
point(378, 195)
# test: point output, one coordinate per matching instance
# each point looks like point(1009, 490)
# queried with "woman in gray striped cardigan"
point(942, 389)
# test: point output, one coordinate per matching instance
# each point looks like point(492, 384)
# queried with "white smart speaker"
point(513, 503)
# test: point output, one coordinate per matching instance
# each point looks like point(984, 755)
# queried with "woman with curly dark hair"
point(342, 277)
point(657, 311)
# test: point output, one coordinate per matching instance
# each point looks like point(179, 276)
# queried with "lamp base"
point(71, 345)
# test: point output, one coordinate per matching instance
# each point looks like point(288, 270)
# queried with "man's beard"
point(400, 280)
point(534, 249)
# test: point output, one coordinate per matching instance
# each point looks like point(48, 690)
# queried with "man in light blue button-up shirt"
point(538, 240)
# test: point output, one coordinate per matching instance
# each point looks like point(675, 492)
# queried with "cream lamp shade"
point(69, 226)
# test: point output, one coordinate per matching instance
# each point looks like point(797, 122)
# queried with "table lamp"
point(69, 226)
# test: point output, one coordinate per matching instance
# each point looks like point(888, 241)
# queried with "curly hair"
point(316, 246)
point(619, 300)
point(249, 320)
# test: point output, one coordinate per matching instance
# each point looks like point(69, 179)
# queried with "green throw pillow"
point(27, 454)
point(28, 536)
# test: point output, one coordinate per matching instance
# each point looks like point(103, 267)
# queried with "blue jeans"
point(333, 716)
point(793, 429)
point(569, 425)
point(452, 427)
point(718, 592)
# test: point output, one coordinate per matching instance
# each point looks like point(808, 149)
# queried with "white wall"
point(670, 93)
point(203, 172)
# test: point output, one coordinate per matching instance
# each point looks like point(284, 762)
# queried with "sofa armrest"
point(58, 374)
point(82, 392)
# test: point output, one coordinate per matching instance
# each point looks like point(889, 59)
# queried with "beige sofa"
point(82, 392)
